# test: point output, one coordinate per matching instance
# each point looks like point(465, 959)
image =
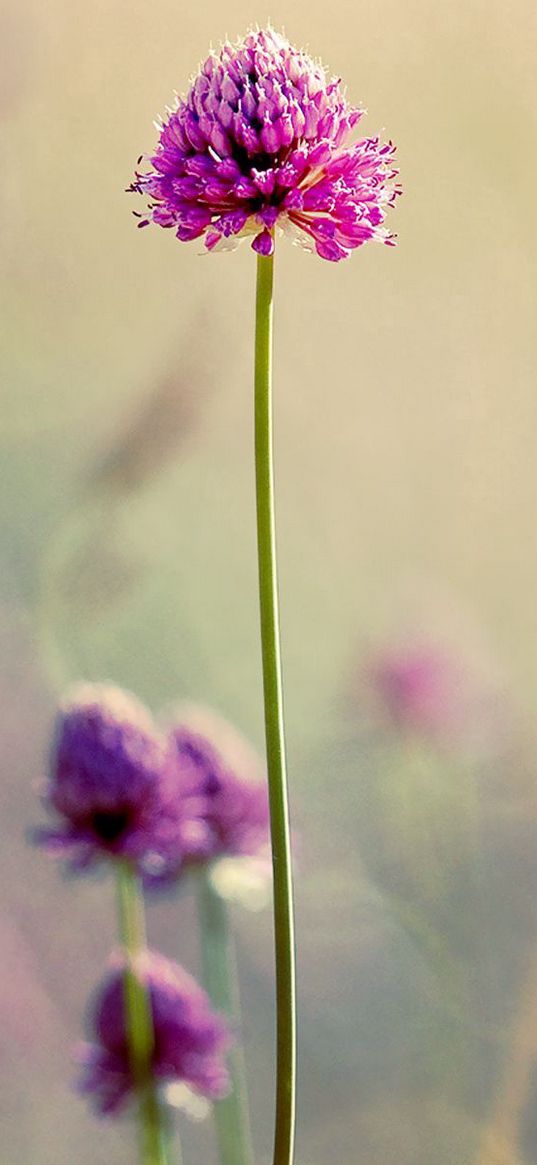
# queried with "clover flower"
point(263, 139)
point(112, 781)
point(190, 1039)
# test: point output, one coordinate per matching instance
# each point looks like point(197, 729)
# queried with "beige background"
point(406, 421)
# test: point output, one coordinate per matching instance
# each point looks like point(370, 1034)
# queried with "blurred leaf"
point(163, 422)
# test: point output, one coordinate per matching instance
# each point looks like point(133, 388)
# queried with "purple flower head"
point(263, 140)
point(428, 687)
point(418, 685)
point(190, 1039)
point(222, 785)
point(112, 781)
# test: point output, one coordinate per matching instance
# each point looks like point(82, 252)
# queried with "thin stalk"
point(220, 979)
point(500, 1140)
point(138, 1016)
point(274, 726)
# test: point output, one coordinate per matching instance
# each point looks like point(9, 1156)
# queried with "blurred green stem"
point(220, 979)
point(500, 1139)
point(138, 1015)
point(274, 727)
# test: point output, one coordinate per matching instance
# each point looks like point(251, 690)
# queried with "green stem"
point(138, 1014)
point(274, 728)
point(220, 979)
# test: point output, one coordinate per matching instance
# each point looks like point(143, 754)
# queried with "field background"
point(406, 419)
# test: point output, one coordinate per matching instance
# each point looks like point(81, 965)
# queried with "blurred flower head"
point(112, 782)
point(190, 1039)
point(263, 139)
point(426, 686)
point(221, 783)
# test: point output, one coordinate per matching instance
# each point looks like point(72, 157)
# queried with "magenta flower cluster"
point(264, 139)
point(190, 1039)
point(112, 780)
point(441, 691)
point(120, 787)
point(219, 774)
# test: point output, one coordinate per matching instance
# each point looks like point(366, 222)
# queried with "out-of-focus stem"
point(499, 1142)
point(138, 1015)
point(220, 979)
point(274, 725)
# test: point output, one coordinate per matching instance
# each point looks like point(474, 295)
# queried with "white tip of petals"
point(243, 880)
point(180, 1096)
point(115, 701)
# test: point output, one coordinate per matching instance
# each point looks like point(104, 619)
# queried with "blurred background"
point(405, 426)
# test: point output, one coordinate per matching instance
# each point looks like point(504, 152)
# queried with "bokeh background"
point(405, 423)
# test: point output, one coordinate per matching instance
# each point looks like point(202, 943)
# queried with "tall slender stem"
point(220, 979)
point(274, 728)
point(138, 1016)
point(500, 1140)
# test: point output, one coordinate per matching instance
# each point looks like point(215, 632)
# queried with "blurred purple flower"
point(263, 139)
point(426, 687)
point(113, 782)
point(190, 1039)
point(222, 785)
